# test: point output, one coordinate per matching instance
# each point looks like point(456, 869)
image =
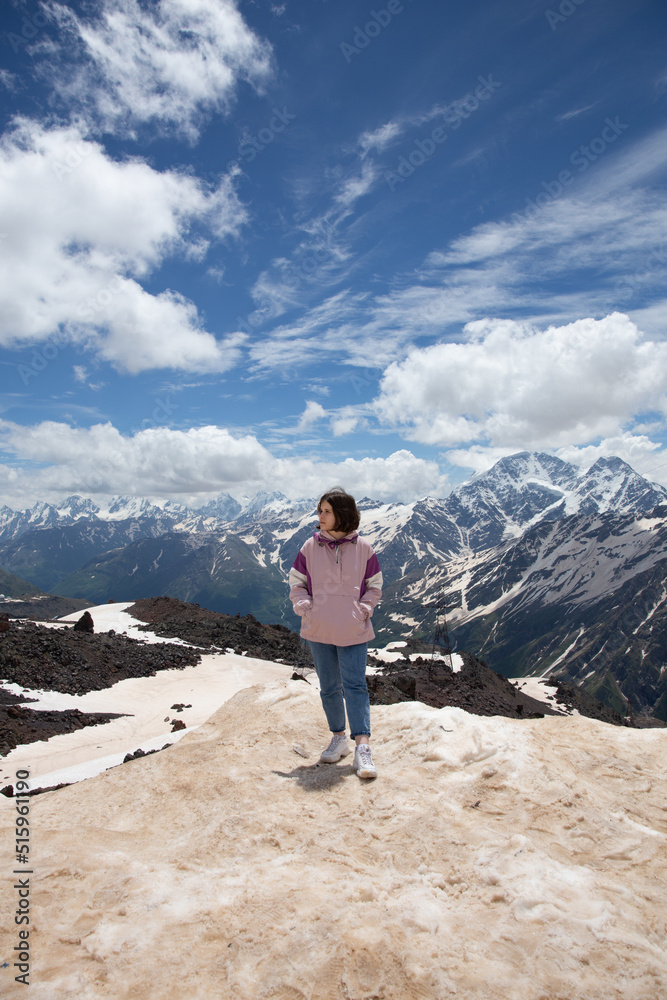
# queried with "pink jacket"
point(334, 586)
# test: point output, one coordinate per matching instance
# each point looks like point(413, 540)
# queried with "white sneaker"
point(363, 762)
point(338, 748)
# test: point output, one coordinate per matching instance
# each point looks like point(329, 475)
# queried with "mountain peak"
point(77, 506)
point(612, 462)
point(525, 465)
point(612, 484)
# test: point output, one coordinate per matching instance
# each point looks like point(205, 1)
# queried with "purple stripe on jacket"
point(372, 570)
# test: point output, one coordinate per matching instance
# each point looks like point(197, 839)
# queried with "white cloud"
point(567, 115)
point(380, 138)
point(190, 465)
point(400, 476)
point(82, 229)
point(8, 80)
point(602, 227)
point(313, 412)
point(344, 423)
point(511, 386)
point(169, 62)
point(155, 461)
point(637, 450)
point(356, 187)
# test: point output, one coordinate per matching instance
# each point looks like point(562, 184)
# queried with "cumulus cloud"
point(400, 476)
point(345, 422)
point(189, 465)
point(645, 456)
point(155, 461)
point(313, 412)
point(82, 230)
point(512, 386)
point(168, 62)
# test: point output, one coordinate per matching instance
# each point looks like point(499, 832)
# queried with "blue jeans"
point(342, 674)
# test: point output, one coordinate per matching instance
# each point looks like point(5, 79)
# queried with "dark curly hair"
point(344, 508)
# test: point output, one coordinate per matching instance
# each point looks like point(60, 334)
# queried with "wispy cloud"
point(566, 116)
point(356, 187)
point(170, 62)
point(380, 138)
point(516, 268)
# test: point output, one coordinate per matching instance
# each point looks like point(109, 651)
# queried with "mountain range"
point(543, 568)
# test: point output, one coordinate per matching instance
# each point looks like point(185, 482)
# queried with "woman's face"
point(326, 516)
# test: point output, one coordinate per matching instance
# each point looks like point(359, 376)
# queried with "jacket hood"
point(324, 538)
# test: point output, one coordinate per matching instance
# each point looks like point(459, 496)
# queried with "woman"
point(335, 583)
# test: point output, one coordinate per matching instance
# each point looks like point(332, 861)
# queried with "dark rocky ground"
point(475, 688)
point(170, 617)
point(73, 660)
point(19, 724)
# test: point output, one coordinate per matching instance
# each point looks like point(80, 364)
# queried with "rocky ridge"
point(169, 617)
point(74, 660)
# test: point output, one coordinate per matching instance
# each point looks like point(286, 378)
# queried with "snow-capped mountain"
point(527, 554)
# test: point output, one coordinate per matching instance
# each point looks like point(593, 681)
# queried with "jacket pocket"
point(360, 613)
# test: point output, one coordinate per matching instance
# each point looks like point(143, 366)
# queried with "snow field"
point(145, 703)
point(493, 859)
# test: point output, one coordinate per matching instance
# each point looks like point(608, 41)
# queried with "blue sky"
point(281, 245)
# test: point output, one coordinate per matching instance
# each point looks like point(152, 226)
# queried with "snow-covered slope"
point(491, 859)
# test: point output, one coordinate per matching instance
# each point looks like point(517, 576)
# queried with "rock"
point(85, 623)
